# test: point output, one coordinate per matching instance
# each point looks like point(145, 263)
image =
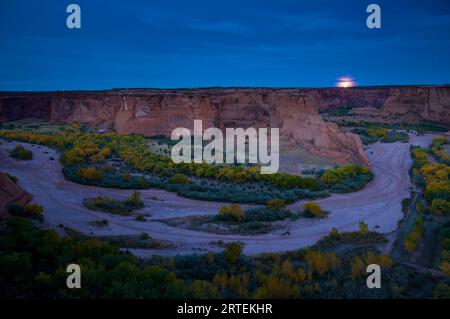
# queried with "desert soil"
point(378, 204)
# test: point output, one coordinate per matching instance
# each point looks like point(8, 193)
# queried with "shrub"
point(179, 179)
point(140, 218)
point(363, 228)
point(377, 132)
point(19, 152)
point(334, 234)
point(114, 206)
point(234, 211)
point(440, 206)
point(233, 252)
point(395, 136)
point(276, 204)
point(264, 214)
point(33, 211)
point(12, 177)
point(415, 236)
point(135, 200)
point(89, 174)
point(312, 209)
point(346, 178)
point(144, 236)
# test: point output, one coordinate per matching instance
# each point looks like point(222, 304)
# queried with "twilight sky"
point(190, 43)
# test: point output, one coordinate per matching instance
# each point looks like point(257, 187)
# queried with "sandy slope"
point(378, 204)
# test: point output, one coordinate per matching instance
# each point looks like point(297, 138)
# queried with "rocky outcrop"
point(294, 111)
point(402, 104)
point(11, 193)
point(158, 112)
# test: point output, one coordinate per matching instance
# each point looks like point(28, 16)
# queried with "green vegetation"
point(313, 210)
point(374, 134)
point(179, 179)
point(276, 204)
point(395, 136)
point(342, 111)
point(421, 127)
point(437, 149)
point(347, 178)
point(125, 161)
point(415, 236)
point(140, 218)
point(19, 152)
point(361, 237)
point(114, 206)
point(434, 177)
point(444, 241)
point(143, 241)
point(11, 177)
point(234, 212)
point(33, 211)
point(33, 265)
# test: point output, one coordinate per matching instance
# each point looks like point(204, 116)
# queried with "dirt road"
point(378, 204)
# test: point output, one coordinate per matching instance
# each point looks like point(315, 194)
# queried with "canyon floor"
point(378, 204)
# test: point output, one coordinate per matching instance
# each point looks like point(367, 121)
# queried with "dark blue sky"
point(184, 43)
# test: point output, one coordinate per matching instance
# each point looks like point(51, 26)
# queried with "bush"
point(312, 209)
point(179, 179)
point(144, 236)
point(89, 174)
point(12, 177)
point(114, 206)
point(377, 132)
point(19, 152)
point(140, 218)
point(346, 178)
point(135, 200)
point(276, 204)
point(268, 215)
point(363, 228)
point(440, 206)
point(33, 211)
point(415, 236)
point(233, 252)
point(233, 211)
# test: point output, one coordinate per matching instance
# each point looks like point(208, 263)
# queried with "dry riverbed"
point(378, 204)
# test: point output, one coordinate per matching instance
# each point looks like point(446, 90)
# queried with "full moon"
point(345, 82)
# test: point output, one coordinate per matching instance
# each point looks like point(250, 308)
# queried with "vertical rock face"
point(11, 193)
point(294, 111)
point(410, 104)
point(158, 112)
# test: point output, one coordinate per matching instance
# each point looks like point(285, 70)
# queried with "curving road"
point(378, 204)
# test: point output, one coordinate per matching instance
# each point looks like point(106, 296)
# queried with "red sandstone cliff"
point(404, 104)
point(11, 193)
point(155, 112)
point(294, 111)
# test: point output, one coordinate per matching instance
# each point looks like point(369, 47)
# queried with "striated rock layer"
point(11, 193)
point(398, 104)
point(295, 111)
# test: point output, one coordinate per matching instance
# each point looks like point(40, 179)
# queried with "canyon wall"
point(397, 104)
point(10, 194)
point(295, 111)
